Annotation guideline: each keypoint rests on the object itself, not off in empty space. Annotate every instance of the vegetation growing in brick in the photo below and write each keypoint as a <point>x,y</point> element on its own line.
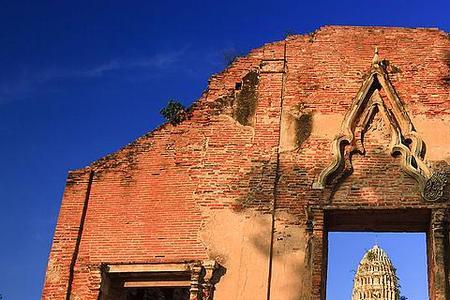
<point>289,33</point>
<point>174,112</point>
<point>312,37</point>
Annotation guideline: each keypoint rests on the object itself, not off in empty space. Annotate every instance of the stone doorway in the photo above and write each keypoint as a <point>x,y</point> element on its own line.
<point>431,221</point>
<point>349,260</point>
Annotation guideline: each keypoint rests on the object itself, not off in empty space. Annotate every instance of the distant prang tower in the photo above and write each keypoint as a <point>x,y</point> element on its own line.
<point>375,277</point>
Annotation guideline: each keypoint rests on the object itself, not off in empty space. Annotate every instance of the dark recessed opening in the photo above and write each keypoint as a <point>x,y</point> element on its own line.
<point>157,293</point>
<point>173,285</point>
<point>378,220</point>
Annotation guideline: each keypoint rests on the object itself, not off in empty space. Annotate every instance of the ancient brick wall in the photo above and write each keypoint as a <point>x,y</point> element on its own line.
<point>234,182</point>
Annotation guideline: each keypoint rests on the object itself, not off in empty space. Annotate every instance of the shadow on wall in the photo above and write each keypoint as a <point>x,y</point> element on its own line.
<point>291,261</point>
<point>296,127</point>
<point>246,99</point>
<point>260,241</point>
<point>447,60</point>
<point>217,275</point>
<point>256,186</point>
<point>293,256</point>
<point>303,128</point>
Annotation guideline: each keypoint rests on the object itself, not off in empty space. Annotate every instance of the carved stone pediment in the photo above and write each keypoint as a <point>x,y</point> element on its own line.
<point>404,140</point>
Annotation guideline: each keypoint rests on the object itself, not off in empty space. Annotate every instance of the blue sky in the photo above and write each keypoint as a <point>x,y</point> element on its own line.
<point>81,79</point>
<point>407,252</point>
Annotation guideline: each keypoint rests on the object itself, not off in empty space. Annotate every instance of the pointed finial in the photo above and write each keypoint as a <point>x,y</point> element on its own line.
<point>375,60</point>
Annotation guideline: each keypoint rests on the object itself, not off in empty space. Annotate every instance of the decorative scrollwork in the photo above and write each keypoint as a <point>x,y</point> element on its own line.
<point>208,279</point>
<point>435,187</point>
<point>404,138</point>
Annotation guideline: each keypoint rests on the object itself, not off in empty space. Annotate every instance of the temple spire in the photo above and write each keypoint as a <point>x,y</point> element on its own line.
<point>375,278</point>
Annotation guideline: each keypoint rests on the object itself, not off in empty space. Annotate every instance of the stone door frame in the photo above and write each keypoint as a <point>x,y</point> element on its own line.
<point>431,220</point>
<point>197,276</point>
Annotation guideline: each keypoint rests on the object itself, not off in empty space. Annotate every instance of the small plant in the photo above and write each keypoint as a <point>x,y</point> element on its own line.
<point>289,33</point>
<point>174,112</point>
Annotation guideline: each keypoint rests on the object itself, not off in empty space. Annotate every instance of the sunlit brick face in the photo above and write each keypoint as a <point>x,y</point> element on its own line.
<point>249,178</point>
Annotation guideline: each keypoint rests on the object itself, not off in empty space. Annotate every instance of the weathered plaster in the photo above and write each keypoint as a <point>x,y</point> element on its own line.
<point>436,135</point>
<point>289,271</point>
<point>240,242</point>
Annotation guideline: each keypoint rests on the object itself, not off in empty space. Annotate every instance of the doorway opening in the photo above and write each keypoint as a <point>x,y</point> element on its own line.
<point>406,251</point>
<point>402,236</point>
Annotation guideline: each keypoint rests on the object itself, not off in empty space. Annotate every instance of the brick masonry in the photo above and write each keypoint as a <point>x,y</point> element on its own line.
<point>233,183</point>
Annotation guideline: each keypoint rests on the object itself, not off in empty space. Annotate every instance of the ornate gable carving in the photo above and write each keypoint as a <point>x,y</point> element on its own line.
<point>404,140</point>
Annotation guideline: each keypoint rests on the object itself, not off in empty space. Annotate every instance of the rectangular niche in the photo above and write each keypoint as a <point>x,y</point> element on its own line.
<point>147,282</point>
